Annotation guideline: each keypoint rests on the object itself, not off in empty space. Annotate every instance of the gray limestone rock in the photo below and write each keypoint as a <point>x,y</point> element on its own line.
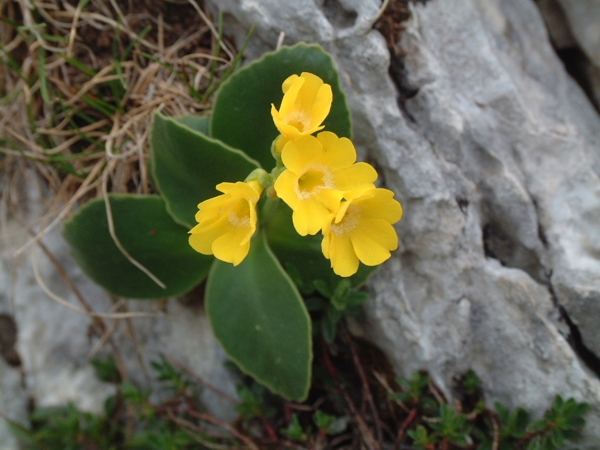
<point>54,343</point>
<point>493,151</point>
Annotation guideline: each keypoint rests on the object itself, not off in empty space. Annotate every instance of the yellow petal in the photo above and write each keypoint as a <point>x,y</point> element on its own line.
<point>309,217</point>
<point>373,239</point>
<point>291,97</point>
<point>285,186</point>
<point>211,204</point>
<point>240,189</point>
<point>275,115</point>
<point>288,83</point>
<point>359,176</point>
<point>321,105</point>
<point>342,211</point>
<point>343,259</point>
<point>326,242</point>
<point>338,152</point>
<point>203,235</point>
<point>330,198</point>
<point>308,94</point>
<point>381,205</point>
<point>288,131</point>
<point>298,154</point>
<point>226,187</point>
<point>232,247</point>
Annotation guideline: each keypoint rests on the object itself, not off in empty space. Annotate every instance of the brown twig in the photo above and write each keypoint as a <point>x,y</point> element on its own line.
<point>436,393</point>
<point>496,442</point>
<point>368,438</point>
<point>405,424</point>
<point>379,377</point>
<point>365,386</point>
<point>186,424</point>
<point>210,419</point>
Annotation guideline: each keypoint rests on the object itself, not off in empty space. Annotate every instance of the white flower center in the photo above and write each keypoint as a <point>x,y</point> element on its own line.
<point>348,223</point>
<point>312,181</point>
<point>239,215</point>
<point>298,119</point>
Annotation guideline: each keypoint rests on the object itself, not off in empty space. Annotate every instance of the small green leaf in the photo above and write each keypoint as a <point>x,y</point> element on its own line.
<point>187,165</point>
<point>106,369</point>
<point>329,324</point>
<point>260,319</point>
<point>151,237</point>
<point>294,430</point>
<point>251,402</point>
<point>242,110</point>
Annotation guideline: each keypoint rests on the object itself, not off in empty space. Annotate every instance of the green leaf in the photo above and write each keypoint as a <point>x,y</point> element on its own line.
<point>260,319</point>
<point>187,165</point>
<point>241,114</point>
<point>201,124</point>
<point>148,233</point>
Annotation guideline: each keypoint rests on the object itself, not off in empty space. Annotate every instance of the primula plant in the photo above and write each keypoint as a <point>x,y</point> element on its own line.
<point>265,200</point>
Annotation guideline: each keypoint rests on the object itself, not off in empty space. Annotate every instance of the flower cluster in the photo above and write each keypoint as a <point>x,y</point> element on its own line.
<point>318,178</point>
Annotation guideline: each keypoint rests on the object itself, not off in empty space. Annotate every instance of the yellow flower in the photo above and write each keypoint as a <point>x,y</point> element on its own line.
<point>361,231</point>
<point>305,105</point>
<point>227,222</point>
<point>319,170</point>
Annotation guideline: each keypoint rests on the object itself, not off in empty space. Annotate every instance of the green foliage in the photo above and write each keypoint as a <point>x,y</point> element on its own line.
<point>560,424</point>
<point>156,426</point>
<point>66,428</point>
<point>133,419</point>
<point>174,378</point>
<point>485,429</point>
<point>415,392</point>
<point>514,424</point>
<point>260,319</point>
<point>251,402</point>
<point>471,383</point>
<point>339,299</point>
<point>451,426</point>
<point>148,234</point>
<point>421,439</point>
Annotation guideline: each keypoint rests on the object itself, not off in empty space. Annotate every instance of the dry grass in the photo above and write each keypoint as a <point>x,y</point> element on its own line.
<point>79,83</point>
